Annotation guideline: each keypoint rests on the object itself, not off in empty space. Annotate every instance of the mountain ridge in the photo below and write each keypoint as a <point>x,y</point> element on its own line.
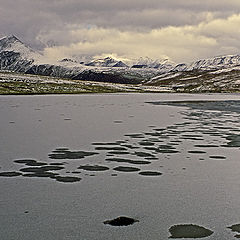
<point>16,56</point>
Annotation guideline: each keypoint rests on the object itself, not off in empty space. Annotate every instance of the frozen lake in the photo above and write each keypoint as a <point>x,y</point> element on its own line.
<point>70,162</point>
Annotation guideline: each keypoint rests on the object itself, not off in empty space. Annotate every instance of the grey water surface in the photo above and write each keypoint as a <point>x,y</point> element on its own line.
<point>69,163</point>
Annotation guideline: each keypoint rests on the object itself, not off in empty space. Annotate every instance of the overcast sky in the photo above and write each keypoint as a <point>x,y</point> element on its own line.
<point>181,30</point>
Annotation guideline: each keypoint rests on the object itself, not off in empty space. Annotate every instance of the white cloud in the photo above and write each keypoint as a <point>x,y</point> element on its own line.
<point>179,43</point>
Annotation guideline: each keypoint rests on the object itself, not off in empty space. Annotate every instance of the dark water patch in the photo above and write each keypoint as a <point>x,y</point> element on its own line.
<point>10,174</point>
<point>152,158</point>
<point>25,161</point>
<point>234,140</point>
<point>110,148</point>
<point>67,154</point>
<point>196,152</point>
<point>30,162</point>
<point>217,157</point>
<point>159,129</point>
<point>195,114</point>
<point>66,179</point>
<point>36,164</point>
<point>143,154</point>
<point>121,221</point>
<point>166,147</point>
<point>189,231</point>
<point>150,173</point>
<point>119,153</point>
<point>135,135</point>
<point>121,141</point>
<point>124,160</point>
<point>192,138</point>
<point>41,169</point>
<point>118,121</point>
<point>76,172</point>
<point>146,143</point>
<point>40,174</point>
<point>163,149</point>
<point>95,168</point>
<point>235,228</point>
<point>205,146</point>
<point>235,130</point>
<point>32,169</point>
<point>126,169</point>
<point>51,168</point>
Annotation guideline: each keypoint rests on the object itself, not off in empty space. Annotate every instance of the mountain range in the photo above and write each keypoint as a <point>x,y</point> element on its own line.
<point>16,56</point>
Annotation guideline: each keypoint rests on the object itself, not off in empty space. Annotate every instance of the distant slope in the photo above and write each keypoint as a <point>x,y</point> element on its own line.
<point>199,81</point>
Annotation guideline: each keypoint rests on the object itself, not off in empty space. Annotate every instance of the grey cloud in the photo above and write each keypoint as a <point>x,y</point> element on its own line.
<point>45,13</point>
<point>40,22</point>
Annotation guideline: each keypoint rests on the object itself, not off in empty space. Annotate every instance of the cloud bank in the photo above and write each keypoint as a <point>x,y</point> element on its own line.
<point>182,30</point>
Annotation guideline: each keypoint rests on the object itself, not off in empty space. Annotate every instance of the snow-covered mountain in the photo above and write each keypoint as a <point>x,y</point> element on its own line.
<point>15,55</point>
<point>215,63</point>
<point>112,62</point>
<point>209,67</point>
<point>106,62</point>
<point>13,44</point>
<point>146,62</point>
<point>18,57</point>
